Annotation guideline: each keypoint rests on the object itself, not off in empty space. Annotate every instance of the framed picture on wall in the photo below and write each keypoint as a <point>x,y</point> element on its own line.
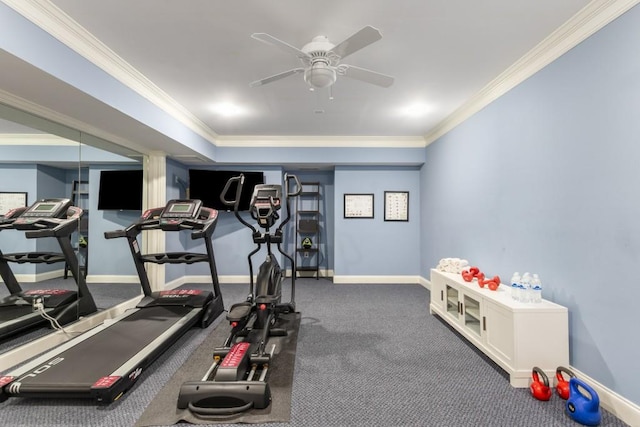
<point>358,205</point>
<point>396,206</point>
<point>12,200</point>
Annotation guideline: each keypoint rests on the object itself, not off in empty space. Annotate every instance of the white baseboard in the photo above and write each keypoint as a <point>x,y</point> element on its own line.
<point>425,283</point>
<point>622,408</point>
<point>97,278</point>
<point>399,280</point>
<point>39,277</point>
<point>302,274</point>
<point>206,279</point>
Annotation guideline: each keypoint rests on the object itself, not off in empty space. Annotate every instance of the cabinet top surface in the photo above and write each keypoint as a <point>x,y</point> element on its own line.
<point>502,295</point>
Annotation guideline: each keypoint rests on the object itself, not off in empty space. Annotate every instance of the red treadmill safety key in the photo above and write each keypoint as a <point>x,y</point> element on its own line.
<point>106,382</point>
<point>6,380</point>
<point>235,355</point>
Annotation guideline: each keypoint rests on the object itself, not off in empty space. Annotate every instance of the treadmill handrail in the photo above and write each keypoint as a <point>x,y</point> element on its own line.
<point>64,228</point>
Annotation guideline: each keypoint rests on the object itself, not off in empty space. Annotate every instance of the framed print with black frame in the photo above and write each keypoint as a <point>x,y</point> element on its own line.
<point>396,206</point>
<point>358,205</point>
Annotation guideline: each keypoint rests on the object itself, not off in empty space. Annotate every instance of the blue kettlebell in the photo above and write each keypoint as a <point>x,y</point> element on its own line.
<point>581,408</point>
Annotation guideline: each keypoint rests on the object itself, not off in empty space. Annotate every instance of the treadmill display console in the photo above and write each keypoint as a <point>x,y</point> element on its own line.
<point>53,208</point>
<point>181,209</point>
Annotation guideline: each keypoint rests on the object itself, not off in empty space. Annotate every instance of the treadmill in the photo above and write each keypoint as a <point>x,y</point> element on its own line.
<point>45,218</point>
<point>105,361</point>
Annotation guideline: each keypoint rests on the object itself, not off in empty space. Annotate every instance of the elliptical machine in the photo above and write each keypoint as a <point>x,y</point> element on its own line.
<point>236,381</point>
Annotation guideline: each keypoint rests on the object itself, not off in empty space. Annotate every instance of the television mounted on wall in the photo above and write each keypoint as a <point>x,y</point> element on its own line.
<point>120,190</point>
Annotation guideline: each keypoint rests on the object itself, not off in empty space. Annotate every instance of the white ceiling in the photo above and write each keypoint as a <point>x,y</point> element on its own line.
<point>441,53</point>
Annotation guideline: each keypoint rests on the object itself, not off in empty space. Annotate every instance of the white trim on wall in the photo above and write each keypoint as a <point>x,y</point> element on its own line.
<point>595,15</point>
<point>105,278</point>
<point>35,139</point>
<point>54,21</point>
<point>39,277</point>
<point>590,19</point>
<point>397,280</point>
<point>322,141</point>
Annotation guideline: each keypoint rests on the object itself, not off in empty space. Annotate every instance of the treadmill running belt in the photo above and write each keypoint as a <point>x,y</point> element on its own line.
<point>15,311</point>
<point>103,353</point>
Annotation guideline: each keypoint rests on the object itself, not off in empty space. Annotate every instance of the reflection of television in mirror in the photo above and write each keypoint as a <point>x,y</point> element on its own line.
<point>120,190</point>
<point>207,185</point>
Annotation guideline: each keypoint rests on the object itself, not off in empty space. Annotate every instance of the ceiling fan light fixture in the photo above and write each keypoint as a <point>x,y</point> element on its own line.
<point>320,75</point>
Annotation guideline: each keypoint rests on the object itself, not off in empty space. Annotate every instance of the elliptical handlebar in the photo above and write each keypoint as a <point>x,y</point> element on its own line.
<point>298,190</point>
<point>225,190</point>
<point>236,201</point>
<point>295,193</point>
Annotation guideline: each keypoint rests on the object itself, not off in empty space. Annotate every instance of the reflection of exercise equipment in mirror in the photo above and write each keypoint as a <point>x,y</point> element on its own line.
<point>106,361</point>
<point>237,379</point>
<point>79,197</point>
<point>22,310</point>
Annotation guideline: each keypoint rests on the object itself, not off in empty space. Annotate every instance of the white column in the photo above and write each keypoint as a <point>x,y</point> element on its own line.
<point>155,195</point>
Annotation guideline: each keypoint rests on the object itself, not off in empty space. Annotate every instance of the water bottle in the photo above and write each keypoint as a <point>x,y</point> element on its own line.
<point>525,288</point>
<point>536,285</point>
<point>515,281</point>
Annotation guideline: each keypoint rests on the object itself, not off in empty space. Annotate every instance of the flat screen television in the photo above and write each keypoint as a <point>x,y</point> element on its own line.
<point>120,190</point>
<point>207,185</point>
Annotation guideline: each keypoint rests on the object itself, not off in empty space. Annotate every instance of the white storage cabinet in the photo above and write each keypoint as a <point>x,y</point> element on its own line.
<point>517,336</point>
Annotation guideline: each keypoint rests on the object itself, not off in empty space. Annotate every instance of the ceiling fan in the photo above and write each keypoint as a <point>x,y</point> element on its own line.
<point>321,59</point>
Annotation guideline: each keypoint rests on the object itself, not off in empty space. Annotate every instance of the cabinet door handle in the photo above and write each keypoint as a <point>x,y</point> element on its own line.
<point>441,295</point>
<point>484,323</point>
<point>461,308</point>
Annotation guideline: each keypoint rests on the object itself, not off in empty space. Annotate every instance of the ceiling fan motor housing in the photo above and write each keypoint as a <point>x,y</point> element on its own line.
<point>320,74</point>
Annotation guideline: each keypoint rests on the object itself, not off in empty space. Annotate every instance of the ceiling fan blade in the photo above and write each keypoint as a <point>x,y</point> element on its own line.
<point>276,77</point>
<point>269,39</point>
<point>357,41</point>
<point>365,75</point>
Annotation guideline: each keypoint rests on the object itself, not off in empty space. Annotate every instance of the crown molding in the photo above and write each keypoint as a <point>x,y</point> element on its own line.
<point>34,139</point>
<point>58,24</point>
<point>19,103</point>
<point>590,19</point>
<point>322,141</point>
<point>586,22</point>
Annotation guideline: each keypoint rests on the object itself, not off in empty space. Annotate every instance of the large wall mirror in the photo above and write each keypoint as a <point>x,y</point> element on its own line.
<point>75,272</point>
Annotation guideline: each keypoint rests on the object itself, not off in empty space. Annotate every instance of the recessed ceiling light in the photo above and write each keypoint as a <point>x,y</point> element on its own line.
<point>417,109</point>
<point>228,109</point>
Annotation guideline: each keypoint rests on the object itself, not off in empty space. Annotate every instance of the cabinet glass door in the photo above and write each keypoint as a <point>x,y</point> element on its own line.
<point>472,314</point>
<point>453,301</point>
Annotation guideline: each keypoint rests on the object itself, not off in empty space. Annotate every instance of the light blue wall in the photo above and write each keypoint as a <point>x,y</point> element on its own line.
<point>373,247</point>
<point>546,180</point>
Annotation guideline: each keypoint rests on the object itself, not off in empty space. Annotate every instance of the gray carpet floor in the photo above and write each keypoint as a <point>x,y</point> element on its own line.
<point>367,355</point>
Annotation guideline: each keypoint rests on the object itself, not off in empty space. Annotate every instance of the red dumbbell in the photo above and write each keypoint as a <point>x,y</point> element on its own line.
<point>492,283</point>
<point>469,274</point>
